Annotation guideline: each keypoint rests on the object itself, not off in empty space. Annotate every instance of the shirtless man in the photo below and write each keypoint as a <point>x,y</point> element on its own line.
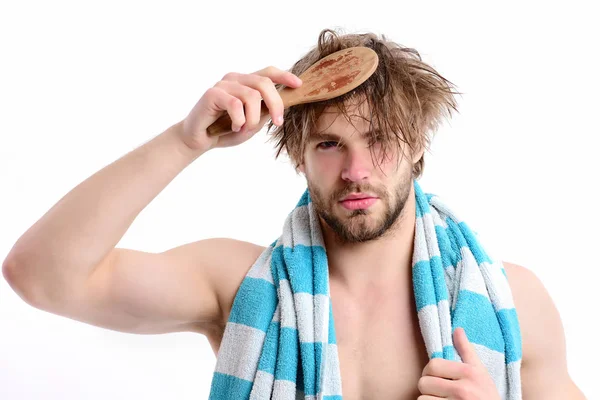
<point>67,262</point>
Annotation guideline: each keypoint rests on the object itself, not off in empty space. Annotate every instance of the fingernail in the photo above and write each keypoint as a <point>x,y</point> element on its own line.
<point>279,120</point>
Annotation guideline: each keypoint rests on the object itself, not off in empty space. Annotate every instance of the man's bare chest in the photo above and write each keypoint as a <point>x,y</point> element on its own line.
<point>381,350</point>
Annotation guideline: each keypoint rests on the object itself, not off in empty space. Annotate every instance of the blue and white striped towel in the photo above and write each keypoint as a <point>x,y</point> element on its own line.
<point>279,342</point>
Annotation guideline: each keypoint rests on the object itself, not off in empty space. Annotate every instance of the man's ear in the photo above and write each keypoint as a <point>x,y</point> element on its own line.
<point>300,168</point>
<point>417,155</point>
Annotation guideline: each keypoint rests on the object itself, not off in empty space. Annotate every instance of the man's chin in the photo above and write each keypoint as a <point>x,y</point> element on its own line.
<point>358,227</point>
<point>358,235</point>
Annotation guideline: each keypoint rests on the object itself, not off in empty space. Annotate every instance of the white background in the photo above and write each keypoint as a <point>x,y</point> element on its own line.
<point>82,83</point>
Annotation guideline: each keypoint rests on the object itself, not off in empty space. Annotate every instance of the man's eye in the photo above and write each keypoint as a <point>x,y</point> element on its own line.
<point>327,145</point>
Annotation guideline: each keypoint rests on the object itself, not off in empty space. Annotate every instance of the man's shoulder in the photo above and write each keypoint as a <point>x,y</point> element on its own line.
<point>526,287</point>
<point>516,273</point>
<point>538,316</point>
<point>544,370</point>
<point>527,290</point>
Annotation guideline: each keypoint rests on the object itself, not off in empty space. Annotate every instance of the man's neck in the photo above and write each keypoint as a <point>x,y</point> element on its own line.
<point>380,263</point>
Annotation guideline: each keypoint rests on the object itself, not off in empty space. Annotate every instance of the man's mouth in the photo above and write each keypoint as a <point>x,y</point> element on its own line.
<point>358,201</point>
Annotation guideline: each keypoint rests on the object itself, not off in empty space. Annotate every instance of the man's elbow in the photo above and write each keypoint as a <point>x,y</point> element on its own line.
<point>10,272</point>
<point>15,273</point>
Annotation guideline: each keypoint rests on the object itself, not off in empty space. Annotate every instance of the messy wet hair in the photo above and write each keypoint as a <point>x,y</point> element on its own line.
<point>407,99</point>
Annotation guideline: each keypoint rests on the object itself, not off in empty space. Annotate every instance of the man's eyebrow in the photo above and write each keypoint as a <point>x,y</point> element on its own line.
<point>324,136</point>
<point>327,136</point>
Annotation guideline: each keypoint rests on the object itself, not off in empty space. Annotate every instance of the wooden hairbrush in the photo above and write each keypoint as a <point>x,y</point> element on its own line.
<point>330,77</point>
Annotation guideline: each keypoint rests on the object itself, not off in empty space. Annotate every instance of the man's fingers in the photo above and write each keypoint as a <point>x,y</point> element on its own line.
<point>251,98</point>
<point>280,76</point>
<point>445,369</point>
<point>268,92</point>
<point>226,102</point>
<point>272,99</point>
<point>264,82</point>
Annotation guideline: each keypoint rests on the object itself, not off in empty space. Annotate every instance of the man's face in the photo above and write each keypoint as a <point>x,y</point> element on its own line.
<point>354,190</point>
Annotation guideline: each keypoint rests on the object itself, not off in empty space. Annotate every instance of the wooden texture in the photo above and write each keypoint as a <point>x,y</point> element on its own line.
<point>329,77</point>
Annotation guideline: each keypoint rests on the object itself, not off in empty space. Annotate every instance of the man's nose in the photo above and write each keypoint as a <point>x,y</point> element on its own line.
<point>357,165</point>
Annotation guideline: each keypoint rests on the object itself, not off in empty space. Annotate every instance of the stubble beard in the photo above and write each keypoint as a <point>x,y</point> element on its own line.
<point>359,226</point>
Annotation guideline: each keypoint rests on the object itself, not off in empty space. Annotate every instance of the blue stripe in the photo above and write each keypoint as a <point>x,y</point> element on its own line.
<point>311,354</point>
<point>424,273</point>
<point>450,353</point>
<point>305,265</point>
<point>229,387</point>
<point>439,280</point>
<point>268,357</point>
<point>278,269</point>
<point>472,242</point>
<point>421,205</point>
<point>436,354</point>
<point>463,236</point>
<point>287,357</point>
<point>445,245</point>
<point>331,338</point>
<point>477,316</point>
<point>509,322</point>
<point>304,200</point>
<point>450,233</point>
<point>254,294</point>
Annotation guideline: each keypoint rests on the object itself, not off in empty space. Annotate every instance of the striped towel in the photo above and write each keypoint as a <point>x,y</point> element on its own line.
<point>279,342</point>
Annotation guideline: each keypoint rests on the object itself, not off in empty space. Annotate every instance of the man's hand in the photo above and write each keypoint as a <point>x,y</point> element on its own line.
<point>240,95</point>
<point>469,380</point>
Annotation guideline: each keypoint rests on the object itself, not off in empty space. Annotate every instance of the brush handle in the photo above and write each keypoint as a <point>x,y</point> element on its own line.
<point>222,126</point>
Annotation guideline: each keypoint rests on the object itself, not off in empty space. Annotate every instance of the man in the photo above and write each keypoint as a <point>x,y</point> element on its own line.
<point>360,154</point>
